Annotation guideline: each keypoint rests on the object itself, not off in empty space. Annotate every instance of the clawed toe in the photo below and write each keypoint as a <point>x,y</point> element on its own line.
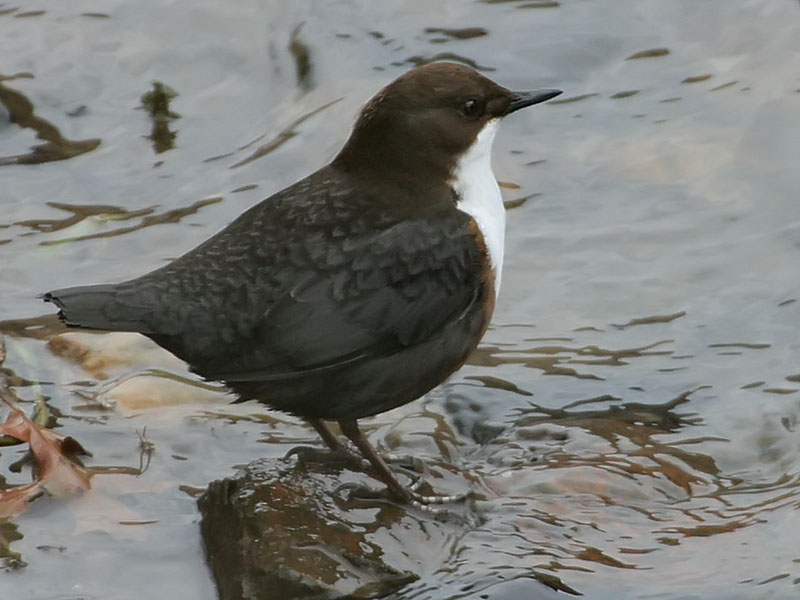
<point>301,452</point>
<point>310,454</point>
<point>411,494</point>
<point>431,504</point>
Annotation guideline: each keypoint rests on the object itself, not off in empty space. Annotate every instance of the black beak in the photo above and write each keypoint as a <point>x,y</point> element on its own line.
<point>523,99</point>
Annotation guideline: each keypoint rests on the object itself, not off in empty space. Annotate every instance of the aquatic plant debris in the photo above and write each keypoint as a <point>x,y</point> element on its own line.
<point>156,102</point>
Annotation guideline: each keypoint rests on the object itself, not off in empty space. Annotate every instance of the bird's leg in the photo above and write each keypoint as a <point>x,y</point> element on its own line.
<point>327,435</point>
<point>335,443</point>
<point>351,430</point>
<point>338,448</point>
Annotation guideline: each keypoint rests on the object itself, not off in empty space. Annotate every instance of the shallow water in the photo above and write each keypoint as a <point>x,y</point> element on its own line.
<point>632,415</point>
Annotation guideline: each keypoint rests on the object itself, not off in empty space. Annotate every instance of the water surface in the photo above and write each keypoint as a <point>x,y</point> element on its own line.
<point>632,415</point>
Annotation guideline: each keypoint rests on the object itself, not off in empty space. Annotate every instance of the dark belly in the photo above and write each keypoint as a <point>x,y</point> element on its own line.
<point>373,385</point>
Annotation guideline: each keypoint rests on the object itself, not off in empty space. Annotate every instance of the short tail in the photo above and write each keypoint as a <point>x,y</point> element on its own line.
<point>95,307</point>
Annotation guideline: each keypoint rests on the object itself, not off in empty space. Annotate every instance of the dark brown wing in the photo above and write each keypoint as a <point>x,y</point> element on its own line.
<point>394,289</point>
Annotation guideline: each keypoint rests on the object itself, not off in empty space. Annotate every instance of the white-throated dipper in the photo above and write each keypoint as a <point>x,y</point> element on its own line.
<point>355,290</point>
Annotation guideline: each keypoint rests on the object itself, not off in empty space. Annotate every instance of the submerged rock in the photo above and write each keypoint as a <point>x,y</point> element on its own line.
<point>284,529</point>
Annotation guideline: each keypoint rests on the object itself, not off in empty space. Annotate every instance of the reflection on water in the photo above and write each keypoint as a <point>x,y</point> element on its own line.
<point>629,423</point>
<point>649,53</point>
<point>418,61</point>
<point>301,54</point>
<point>56,147</point>
<point>279,140</point>
<point>552,358</point>
<point>110,214</point>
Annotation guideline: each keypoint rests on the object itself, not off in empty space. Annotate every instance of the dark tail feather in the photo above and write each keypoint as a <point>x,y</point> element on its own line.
<point>95,307</point>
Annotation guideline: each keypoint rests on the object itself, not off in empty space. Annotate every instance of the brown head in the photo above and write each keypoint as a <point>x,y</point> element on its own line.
<point>427,118</point>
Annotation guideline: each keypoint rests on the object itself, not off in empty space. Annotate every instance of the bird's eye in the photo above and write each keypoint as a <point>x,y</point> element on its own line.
<point>472,108</point>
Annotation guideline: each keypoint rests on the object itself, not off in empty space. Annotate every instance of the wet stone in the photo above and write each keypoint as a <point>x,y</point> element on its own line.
<point>288,529</point>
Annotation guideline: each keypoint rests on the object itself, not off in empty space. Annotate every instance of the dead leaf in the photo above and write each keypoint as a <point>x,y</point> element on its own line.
<point>57,475</point>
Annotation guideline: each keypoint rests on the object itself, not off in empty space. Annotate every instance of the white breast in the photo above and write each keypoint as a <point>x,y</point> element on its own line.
<point>479,195</point>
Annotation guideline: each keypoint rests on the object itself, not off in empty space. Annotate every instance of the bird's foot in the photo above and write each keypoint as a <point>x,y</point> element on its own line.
<point>430,504</point>
<point>415,468</point>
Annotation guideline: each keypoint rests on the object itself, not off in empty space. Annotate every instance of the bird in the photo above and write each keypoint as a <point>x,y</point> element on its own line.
<point>355,290</point>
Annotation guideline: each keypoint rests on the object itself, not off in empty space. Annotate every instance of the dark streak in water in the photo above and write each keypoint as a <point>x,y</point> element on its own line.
<point>528,4</point>
<point>624,94</point>
<point>650,320</point>
<point>78,111</point>
<point>752,385</point>
<point>540,4</point>
<point>245,188</point>
<point>741,345</point>
<point>301,54</point>
<point>30,13</point>
<point>573,99</point>
<point>78,214</point>
<point>418,61</point>
<point>598,556</point>
<point>464,33</point>
<point>499,384</point>
<point>605,398</point>
<point>279,140</point>
<point>652,53</point>
<point>169,216</point>
<point>632,413</point>
<point>553,360</point>
<point>697,78</point>
<point>723,86</point>
<point>517,202</point>
<point>56,146</point>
